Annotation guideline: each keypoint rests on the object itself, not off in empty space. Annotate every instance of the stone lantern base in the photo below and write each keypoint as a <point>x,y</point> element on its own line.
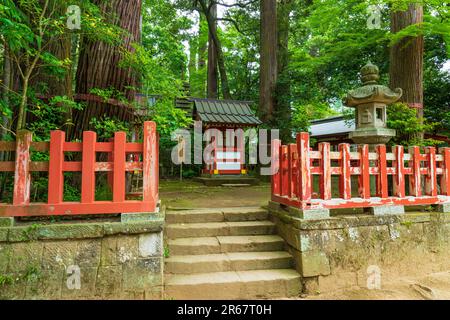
<point>372,136</point>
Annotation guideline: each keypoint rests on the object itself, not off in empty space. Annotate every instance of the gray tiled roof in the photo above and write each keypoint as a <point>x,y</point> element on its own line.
<point>225,111</point>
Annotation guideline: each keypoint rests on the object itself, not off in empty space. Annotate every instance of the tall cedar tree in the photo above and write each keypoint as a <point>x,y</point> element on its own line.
<point>212,85</point>
<point>99,65</point>
<point>406,58</point>
<point>269,63</point>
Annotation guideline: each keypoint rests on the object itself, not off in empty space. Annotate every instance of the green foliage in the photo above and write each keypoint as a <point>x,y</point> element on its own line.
<point>408,127</point>
<point>189,173</point>
<point>48,116</point>
<point>106,127</point>
<point>6,279</point>
<point>71,188</point>
<point>303,114</point>
<point>166,252</point>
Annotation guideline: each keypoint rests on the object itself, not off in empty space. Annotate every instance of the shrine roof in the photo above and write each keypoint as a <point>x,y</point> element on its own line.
<point>213,111</point>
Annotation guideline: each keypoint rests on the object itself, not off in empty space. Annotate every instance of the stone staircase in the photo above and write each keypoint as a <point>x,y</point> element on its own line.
<point>226,254</point>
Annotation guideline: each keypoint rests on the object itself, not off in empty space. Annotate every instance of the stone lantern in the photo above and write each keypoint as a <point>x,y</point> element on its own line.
<point>370,102</point>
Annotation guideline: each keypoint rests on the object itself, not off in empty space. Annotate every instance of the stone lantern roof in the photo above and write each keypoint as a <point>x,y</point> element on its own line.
<point>370,102</point>
<point>371,91</point>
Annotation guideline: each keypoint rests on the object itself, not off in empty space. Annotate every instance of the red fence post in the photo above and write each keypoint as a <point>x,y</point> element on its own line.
<point>284,169</point>
<point>88,167</point>
<point>325,170</point>
<point>150,165</point>
<point>399,177</point>
<point>382,178</point>
<point>275,167</point>
<point>345,183</point>
<point>445,179</point>
<point>55,173</point>
<point>22,178</point>
<point>304,185</point>
<point>120,139</point>
<point>431,178</point>
<point>364,177</point>
<point>293,170</point>
<point>415,185</point>
<point>110,174</point>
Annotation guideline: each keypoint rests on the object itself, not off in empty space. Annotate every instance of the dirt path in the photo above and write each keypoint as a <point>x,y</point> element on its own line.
<point>435,286</point>
<point>189,194</point>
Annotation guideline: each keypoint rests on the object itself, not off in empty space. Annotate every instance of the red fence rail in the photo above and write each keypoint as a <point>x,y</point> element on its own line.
<point>117,166</point>
<point>295,166</point>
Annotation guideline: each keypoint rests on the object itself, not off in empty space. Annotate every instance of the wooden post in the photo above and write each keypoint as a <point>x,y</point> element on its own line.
<point>399,177</point>
<point>150,166</point>
<point>275,167</point>
<point>445,179</point>
<point>415,186</point>
<point>364,177</point>
<point>382,178</point>
<point>285,182</point>
<point>110,174</point>
<point>431,178</point>
<point>325,170</point>
<point>119,167</point>
<point>345,183</point>
<point>88,167</point>
<point>22,177</point>
<point>55,173</point>
<point>304,183</point>
<point>293,171</point>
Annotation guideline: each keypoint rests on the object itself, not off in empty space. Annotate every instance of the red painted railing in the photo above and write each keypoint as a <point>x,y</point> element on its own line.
<point>117,166</point>
<point>295,166</point>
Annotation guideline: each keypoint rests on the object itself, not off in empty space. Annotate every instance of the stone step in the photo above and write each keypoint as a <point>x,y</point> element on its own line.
<point>254,284</point>
<point>207,245</point>
<point>211,229</point>
<point>217,215</point>
<point>233,261</point>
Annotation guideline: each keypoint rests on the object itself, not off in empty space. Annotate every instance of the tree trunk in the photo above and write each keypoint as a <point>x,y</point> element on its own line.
<point>212,86</point>
<point>219,52</point>
<point>283,87</point>
<point>406,58</point>
<point>98,65</point>
<point>268,62</point>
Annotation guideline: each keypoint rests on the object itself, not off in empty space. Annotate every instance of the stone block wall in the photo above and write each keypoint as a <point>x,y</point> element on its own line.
<point>342,251</point>
<point>84,260</point>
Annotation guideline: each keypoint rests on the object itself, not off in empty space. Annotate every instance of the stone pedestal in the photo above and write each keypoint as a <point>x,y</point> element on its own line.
<point>385,210</point>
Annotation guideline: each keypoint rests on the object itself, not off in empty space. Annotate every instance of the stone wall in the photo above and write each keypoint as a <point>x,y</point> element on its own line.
<point>344,250</point>
<point>84,260</point>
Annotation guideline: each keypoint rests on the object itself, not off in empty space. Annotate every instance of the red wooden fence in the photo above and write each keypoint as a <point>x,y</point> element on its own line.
<point>295,165</point>
<point>117,166</point>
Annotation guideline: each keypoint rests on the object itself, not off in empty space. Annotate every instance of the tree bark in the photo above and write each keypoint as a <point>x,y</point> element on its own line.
<point>212,86</point>
<point>406,58</point>
<point>283,87</point>
<point>220,57</point>
<point>98,65</point>
<point>268,59</point>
